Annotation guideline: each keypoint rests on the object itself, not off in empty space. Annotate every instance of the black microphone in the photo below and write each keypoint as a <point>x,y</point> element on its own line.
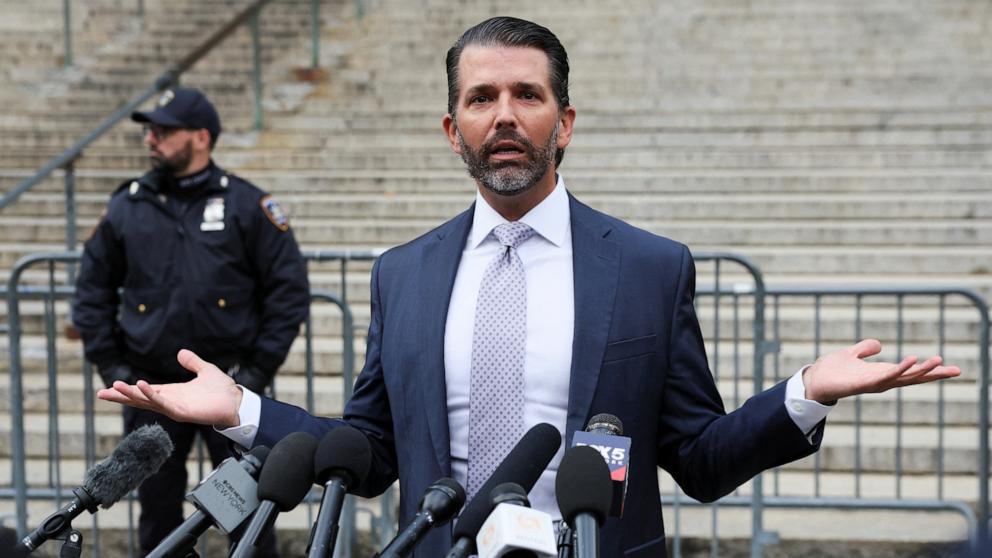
<point>223,494</point>
<point>523,465</point>
<point>439,505</point>
<point>285,479</point>
<point>605,423</point>
<point>138,456</point>
<point>605,434</point>
<point>585,492</point>
<point>342,462</point>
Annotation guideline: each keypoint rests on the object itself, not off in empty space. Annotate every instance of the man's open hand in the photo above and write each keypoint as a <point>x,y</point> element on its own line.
<point>844,372</point>
<point>211,398</point>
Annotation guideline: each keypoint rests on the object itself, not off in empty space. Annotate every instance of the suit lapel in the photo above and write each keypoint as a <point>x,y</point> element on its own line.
<point>442,256</point>
<point>595,270</point>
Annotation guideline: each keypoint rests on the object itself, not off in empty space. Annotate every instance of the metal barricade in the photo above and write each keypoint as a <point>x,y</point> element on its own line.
<point>749,349</point>
<point>80,413</point>
<point>759,335</point>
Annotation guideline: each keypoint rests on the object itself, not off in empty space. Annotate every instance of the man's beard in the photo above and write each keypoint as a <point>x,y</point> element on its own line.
<point>177,164</point>
<point>509,178</point>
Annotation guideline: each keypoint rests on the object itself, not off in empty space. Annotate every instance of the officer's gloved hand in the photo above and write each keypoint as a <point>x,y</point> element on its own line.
<point>252,378</point>
<point>114,372</point>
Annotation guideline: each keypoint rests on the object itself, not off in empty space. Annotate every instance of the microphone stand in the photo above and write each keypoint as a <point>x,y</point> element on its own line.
<point>73,545</point>
<point>566,541</point>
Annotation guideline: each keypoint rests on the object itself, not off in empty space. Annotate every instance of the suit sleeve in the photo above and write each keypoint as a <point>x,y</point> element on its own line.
<point>708,452</point>
<point>101,273</point>
<point>368,410</point>
<point>282,291</point>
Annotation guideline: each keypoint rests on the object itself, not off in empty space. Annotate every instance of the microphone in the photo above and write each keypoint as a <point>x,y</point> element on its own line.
<point>226,498</point>
<point>342,461</point>
<point>523,465</point>
<point>604,433</point>
<point>284,481</point>
<point>513,529</point>
<point>440,503</point>
<point>584,491</point>
<point>138,456</point>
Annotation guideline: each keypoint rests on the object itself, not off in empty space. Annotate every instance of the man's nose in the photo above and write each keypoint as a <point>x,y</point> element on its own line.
<point>506,116</point>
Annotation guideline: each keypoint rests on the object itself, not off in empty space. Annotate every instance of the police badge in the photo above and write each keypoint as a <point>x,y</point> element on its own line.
<point>167,96</point>
<point>213,215</point>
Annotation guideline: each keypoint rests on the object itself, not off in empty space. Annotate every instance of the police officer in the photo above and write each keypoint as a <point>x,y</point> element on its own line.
<point>207,262</point>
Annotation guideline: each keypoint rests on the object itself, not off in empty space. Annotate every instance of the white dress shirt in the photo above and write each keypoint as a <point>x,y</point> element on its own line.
<point>547,260</point>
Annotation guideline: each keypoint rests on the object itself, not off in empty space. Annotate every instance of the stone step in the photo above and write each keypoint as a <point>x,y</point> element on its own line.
<point>434,159</point>
<point>585,139</point>
<point>611,140</point>
<point>396,228</point>
<point>789,321</point>
<point>582,182</point>
<point>842,267</point>
<point>334,114</point>
<point>327,349</point>
<point>716,158</point>
<point>746,209</point>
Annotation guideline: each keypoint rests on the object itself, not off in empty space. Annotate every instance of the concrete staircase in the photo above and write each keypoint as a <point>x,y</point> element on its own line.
<point>831,142</point>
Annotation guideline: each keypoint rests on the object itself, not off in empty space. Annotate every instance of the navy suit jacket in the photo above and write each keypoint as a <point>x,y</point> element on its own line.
<point>637,353</point>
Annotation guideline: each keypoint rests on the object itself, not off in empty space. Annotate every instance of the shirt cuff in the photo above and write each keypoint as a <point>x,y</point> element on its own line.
<point>249,415</point>
<point>804,412</point>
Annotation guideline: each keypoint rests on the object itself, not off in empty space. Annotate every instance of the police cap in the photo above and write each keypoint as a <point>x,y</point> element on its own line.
<point>182,107</point>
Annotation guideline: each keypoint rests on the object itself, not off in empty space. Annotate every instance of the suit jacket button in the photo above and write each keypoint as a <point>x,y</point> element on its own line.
<point>141,308</point>
<point>221,302</point>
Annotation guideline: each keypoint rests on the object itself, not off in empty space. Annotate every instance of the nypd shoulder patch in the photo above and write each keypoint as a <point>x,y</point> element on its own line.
<point>275,213</point>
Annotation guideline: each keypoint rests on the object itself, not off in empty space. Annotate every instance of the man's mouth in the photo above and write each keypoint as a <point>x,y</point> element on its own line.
<point>506,150</point>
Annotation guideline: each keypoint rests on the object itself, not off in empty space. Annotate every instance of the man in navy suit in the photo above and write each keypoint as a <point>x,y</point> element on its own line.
<point>608,321</point>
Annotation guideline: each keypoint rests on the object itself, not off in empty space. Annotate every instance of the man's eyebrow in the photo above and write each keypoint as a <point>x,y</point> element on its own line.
<point>478,88</point>
<point>529,86</point>
<point>517,86</point>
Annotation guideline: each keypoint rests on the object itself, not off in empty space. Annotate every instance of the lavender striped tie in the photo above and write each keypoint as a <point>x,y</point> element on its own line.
<point>499,343</point>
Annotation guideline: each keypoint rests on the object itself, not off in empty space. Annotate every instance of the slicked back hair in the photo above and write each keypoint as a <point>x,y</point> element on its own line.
<point>512,32</point>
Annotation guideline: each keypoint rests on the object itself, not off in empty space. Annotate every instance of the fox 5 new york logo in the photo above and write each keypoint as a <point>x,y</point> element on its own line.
<point>614,456</point>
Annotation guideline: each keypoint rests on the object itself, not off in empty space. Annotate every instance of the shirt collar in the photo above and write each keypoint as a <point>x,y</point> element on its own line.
<point>550,218</point>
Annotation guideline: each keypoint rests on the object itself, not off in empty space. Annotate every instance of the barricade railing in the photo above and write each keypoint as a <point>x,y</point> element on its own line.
<point>755,337</point>
<point>796,325</point>
<point>95,443</point>
<point>722,291</point>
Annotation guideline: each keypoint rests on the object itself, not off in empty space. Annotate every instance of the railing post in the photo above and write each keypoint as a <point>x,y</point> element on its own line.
<point>314,33</point>
<point>67,32</point>
<point>256,42</point>
<point>18,474</point>
<point>759,538</point>
<point>983,431</point>
<point>70,217</point>
<point>348,372</point>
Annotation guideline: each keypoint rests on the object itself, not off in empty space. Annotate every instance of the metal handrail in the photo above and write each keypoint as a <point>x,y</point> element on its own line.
<point>168,78</point>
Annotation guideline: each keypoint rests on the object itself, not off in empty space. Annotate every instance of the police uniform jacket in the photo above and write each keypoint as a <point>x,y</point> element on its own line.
<point>208,264</point>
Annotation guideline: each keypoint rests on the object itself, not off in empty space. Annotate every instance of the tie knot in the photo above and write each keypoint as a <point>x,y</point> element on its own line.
<point>512,234</point>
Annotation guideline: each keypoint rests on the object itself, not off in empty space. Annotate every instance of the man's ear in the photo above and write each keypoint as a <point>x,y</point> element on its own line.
<point>565,126</point>
<point>451,131</point>
<point>201,138</point>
